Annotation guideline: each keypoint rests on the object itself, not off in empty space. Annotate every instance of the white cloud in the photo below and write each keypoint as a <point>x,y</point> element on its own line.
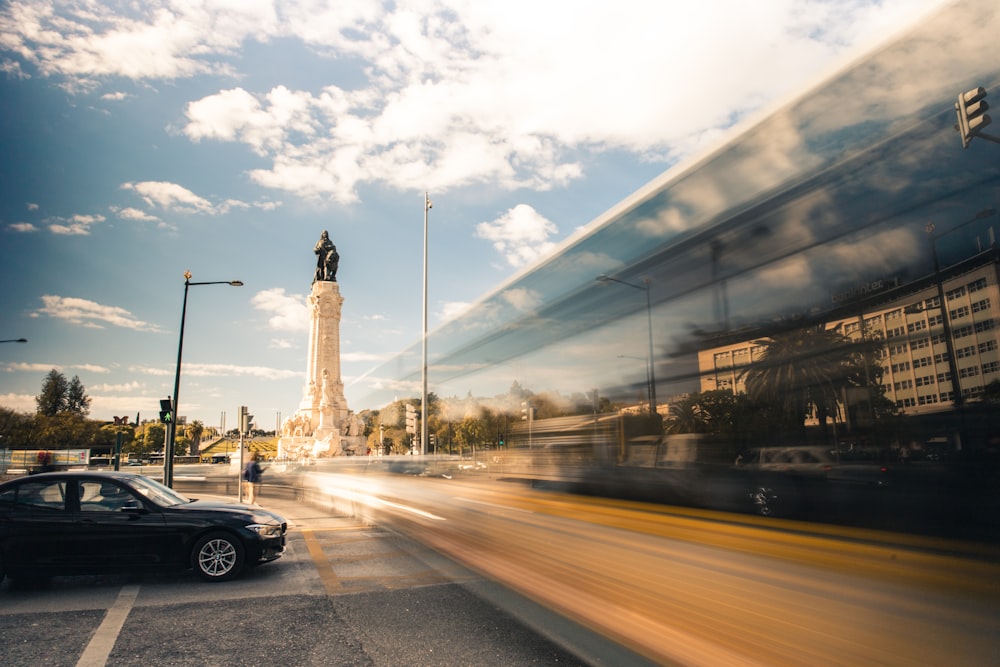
<point>520,235</point>
<point>220,370</point>
<point>177,198</point>
<point>169,196</point>
<point>22,227</point>
<point>45,368</point>
<point>453,309</point>
<point>288,312</point>
<point>125,387</point>
<point>77,225</point>
<point>521,299</point>
<point>130,213</point>
<point>456,92</point>
<point>90,314</point>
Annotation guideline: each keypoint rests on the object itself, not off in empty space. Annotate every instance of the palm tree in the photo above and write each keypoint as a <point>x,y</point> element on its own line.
<point>194,431</point>
<point>801,369</point>
<point>686,416</point>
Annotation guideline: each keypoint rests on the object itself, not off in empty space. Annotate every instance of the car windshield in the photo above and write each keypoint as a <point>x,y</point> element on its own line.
<point>158,493</point>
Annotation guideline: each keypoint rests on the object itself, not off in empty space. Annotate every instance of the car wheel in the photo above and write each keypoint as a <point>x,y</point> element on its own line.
<point>218,557</point>
<point>763,500</point>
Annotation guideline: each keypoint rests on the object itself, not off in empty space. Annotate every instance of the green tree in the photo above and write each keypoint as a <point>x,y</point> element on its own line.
<point>470,432</point>
<point>802,368</point>
<point>687,416</point>
<point>53,398</point>
<point>76,398</point>
<point>194,431</point>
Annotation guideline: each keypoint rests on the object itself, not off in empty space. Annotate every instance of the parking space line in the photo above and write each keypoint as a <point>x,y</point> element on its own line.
<point>97,651</point>
<point>326,574</point>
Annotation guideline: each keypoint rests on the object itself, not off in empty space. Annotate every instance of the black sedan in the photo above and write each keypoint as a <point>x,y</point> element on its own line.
<point>93,522</point>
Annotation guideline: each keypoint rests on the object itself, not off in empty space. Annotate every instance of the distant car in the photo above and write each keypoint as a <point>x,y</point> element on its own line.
<point>807,480</point>
<point>91,522</point>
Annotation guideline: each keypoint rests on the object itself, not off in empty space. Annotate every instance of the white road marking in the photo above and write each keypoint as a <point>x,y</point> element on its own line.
<point>97,651</point>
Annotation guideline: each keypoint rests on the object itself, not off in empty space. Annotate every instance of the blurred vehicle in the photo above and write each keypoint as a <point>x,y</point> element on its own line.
<point>794,479</point>
<point>91,522</point>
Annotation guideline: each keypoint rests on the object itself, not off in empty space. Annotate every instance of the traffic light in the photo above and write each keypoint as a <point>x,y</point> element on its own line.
<point>972,117</point>
<point>166,411</point>
<point>411,419</point>
<point>246,420</point>
<point>502,440</point>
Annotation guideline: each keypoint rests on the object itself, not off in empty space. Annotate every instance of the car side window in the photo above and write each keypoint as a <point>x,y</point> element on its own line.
<point>97,496</point>
<point>41,496</point>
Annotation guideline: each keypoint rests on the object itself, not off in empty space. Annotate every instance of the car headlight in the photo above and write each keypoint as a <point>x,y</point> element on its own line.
<point>266,529</point>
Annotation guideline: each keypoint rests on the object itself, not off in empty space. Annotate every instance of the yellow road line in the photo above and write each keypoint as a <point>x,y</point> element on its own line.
<point>331,582</point>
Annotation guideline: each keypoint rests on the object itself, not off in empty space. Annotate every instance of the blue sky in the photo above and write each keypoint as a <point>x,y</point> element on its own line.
<point>142,140</point>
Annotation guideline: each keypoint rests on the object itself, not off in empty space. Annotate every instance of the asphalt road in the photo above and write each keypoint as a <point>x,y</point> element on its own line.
<point>345,593</point>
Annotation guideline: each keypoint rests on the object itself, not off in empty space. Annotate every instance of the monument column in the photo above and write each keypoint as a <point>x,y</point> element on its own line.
<point>324,397</point>
<point>320,426</point>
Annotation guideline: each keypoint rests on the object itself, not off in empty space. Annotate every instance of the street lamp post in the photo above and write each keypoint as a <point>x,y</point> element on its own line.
<point>423,396</point>
<point>651,371</point>
<point>168,450</point>
<point>15,340</point>
<point>648,383</point>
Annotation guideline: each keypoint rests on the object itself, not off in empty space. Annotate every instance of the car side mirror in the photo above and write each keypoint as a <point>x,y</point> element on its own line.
<point>132,507</point>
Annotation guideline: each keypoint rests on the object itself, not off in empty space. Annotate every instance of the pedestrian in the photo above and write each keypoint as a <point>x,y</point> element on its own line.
<point>252,474</point>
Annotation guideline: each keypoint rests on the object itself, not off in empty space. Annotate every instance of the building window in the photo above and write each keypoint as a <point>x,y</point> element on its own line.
<point>925,381</point>
<point>941,358</point>
<point>935,320</point>
<point>985,325</point>
<point>937,339</point>
<point>895,332</point>
<point>900,349</point>
<point>944,377</point>
<point>921,362</point>
<point>927,400</point>
<point>920,343</point>
<point>971,371</point>
<point>916,326</point>
<point>900,367</point>
<point>946,396</point>
<point>961,311</point>
<point>903,384</point>
<point>977,285</point>
<point>992,367</point>
<point>981,306</point>
<point>933,302</point>
<point>955,294</point>
<point>962,332</point>
<point>906,403</point>
<point>894,314</point>
<point>963,352</point>
<point>988,346</point>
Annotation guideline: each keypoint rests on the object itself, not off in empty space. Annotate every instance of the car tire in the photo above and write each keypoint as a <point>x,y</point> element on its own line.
<point>218,556</point>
